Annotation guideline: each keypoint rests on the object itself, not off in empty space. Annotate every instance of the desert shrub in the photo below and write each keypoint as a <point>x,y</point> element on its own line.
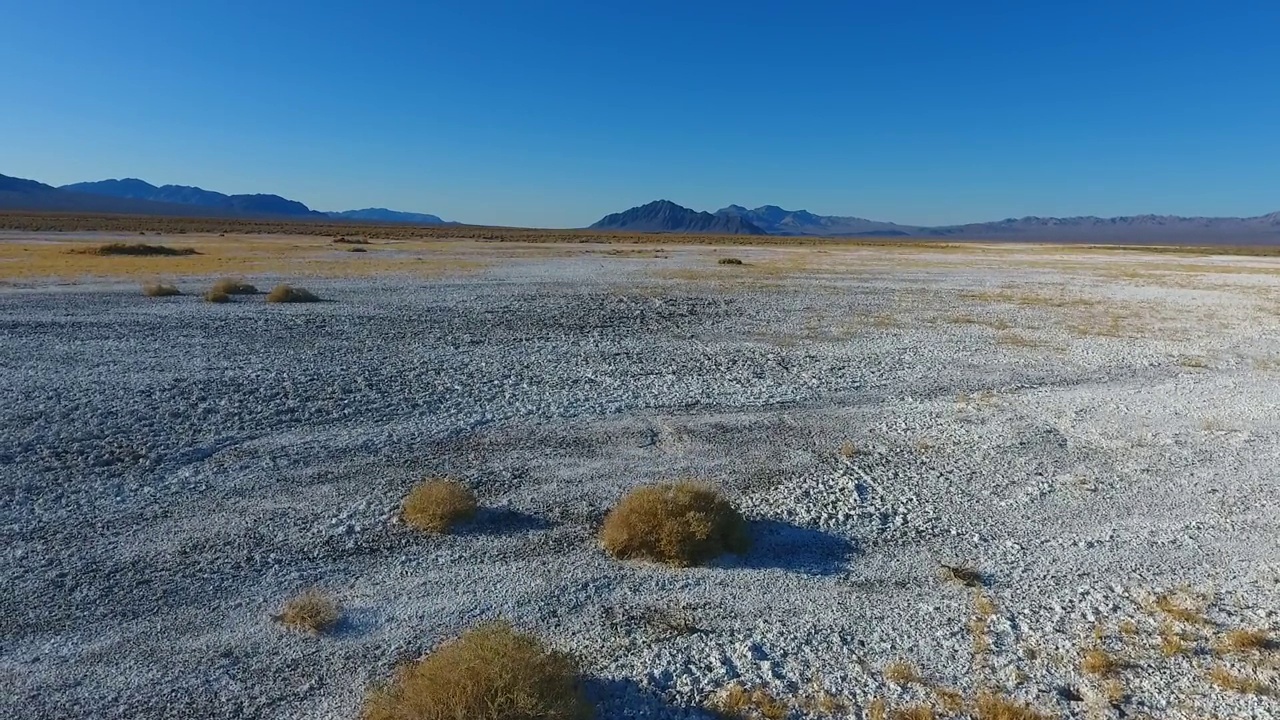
<point>489,673</point>
<point>138,249</point>
<point>289,294</point>
<point>736,702</point>
<point>234,286</point>
<point>356,249</point>
<point>901,672</point>
<point>159,290</point>
<point>312,611</point>
<point>729,261</point>
<point>350,241</point>
<point>993,706</point>
<point>438,504</point>
<point>216,296</point>
<point>681,524</point>
<point>1243,641</point>
<point>1096,661</point>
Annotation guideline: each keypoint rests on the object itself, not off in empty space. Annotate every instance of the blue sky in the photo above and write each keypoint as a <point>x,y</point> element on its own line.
<point>555,113</point>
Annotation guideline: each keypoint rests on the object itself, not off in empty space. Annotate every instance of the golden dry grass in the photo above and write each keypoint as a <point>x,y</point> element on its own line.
<point>437,504</point>
<point>1228,680</point>
<point>313,611</point>
<point>901,672</point>
<point>1182,610</point>
<point>1244,641</point>
<point>1171,643</point>
<point>217,296</point>
<point>951,701</point>
<point>680,524</point>
<point>737,702</point>
<point>489,673</point>
<point>848,449</point>
<point>1096,661</point>
<point>159,290</point>
<point>991,705</point>
<point>286,293</point>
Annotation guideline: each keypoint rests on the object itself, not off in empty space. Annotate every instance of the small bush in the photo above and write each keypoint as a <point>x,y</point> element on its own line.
<point>159,290</point>
<point>217,296</point>
<point>738,703</point>
<point>1097,661</point>
<point>680,524</point>
<point>312,611</point>
<point>234,286</point>
<point>1242,641</point>
<point>138,249</point>
<point>356,249</point>
<point>350,241</point>
<point>901,672</point>
<point>489,673</point>
<point>1228,680</point>
<point>966,575</point>
<point>729,261</point>
<point>438,504</point>
<point>991,706</point>
<point>290,294</point>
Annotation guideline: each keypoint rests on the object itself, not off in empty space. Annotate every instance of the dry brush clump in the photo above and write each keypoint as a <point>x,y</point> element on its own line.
<point>489,673</point>
<point>234,286</point>
<point>289,294</point>
<point>737,702</point>
<point>136,249</point>
<point>966,575</point>
<point>437,504</point>
<point>157,289</point>
<point>729,261</point>
<point>1244,641</point>
<point>312,611</point>
<point>680,524</point>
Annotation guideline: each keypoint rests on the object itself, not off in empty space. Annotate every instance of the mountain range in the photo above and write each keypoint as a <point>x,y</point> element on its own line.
<point>666,216</point>
<point>138,197</point>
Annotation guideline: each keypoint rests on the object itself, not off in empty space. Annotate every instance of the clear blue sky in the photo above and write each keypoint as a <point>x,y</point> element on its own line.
<point>555,113</point>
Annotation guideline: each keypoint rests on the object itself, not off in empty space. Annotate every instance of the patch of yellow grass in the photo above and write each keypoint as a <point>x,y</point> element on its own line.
<point>289,294</point>
<point>736,702</point>
<point>217,296</point>
<point>437,504</point>
<point>915,712</point>
<point>1181,611</point>
<point>991,705</point>
<point>1227,680</point>
<point>681,524</point>
<point>1096,661</point>
<point>951,701</point>
<point>312,611</point>
<point>901,672</point>
<point>489,673</point>
<point>1243,641</point>
<point>848,449</point>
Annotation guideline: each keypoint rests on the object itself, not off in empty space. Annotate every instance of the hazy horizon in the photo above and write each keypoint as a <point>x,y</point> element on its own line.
<point>504,114</point>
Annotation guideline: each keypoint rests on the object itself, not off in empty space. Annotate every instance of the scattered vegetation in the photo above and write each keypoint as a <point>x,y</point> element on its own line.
<point>350,241</point>
<point>159,290</point>
<point>217,296</point>
<point>729,261</point>
<point>681,524</point>
<point>993,706</point>
<point>1227,680</point>
<point>914,712</point>
<point>738,703</point>
<point>489,673</point>
<point>901,672</point>
<point>312,611</point>
<point>1243,641</point>
<point>1096,661</point>
<point>1180,611</point>
<point>136,249</point>
<point>288,294</point>
<point>1171,643</point>
<point>848,449</point>
<point>437,504</point>
<point>234,286</point>
<point>966,575</point>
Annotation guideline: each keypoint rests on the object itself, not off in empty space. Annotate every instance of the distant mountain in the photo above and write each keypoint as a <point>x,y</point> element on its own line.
<point>666,216</point>
<point>248,205</point>
<point>20,194</point>
<point>776,221</point>
<point>385,215</point>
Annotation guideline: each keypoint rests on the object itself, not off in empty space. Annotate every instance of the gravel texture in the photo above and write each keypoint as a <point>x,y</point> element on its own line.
<point>172,471</point>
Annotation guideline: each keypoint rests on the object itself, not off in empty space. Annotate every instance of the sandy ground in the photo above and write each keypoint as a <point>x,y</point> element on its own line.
<point>1093,431</point>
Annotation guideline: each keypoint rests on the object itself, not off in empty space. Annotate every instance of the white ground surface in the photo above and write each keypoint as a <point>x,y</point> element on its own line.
<point>172,471</point>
